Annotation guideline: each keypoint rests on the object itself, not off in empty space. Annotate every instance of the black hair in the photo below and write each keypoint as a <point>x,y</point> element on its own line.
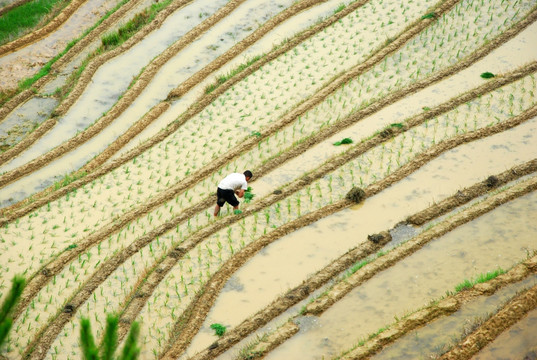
<point>248,174</point>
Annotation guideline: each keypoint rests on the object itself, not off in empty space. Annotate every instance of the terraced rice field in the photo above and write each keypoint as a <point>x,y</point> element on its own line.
<point>414,238</point>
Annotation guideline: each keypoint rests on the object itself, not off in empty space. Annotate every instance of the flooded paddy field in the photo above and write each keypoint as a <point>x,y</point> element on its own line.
<point>394,182</point>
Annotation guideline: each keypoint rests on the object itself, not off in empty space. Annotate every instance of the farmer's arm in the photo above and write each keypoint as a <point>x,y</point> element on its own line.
<point>240,193</point>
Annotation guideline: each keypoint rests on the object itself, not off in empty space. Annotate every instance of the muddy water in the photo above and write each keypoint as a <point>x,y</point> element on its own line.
<point>26,117</point>
<point>513,54</point>
<point>285,30</point>
<point>285,263</point>
<point>28,60</point>
<point>518,342</point>
<point>77,59</point>
<point>498,239</point>
<point>430,340</point>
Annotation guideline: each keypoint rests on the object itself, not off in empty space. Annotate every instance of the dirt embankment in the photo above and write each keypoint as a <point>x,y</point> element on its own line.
<point>340,289</point>
<point>453,303</point>
<point>50,194</point>
<point>509,315</point>
<point>126,100</point>
<point>161,107</point>
<point>204,100</point>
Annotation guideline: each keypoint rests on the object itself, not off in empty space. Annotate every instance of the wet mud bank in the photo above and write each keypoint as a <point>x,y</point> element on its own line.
<point>443,307</point>
<point>126,99</point>
<point>506,317</point>
<point>195,79</point>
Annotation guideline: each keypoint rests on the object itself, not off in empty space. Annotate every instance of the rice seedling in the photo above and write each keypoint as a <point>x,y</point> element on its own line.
<point>343,141</point>
<point>487,75</point>
<point>219,329</point>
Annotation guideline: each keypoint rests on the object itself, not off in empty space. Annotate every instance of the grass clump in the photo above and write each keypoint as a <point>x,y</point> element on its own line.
<point>67,179</point>
<point>131,351</point>
<point>223,78</point>
<point>339,8</point>
<point>481,278</point>
<point>125,32</point>
<point>343,141</point>
<point>430,15</point>
<point>219,329</point>
<point>27,16</point>
<point>487,75</point>
<point>6,321</point>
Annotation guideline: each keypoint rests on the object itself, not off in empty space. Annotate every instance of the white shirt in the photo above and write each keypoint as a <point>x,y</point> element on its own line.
<point>233,182</point>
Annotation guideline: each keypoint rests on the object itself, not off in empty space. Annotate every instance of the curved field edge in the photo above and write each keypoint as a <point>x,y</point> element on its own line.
<point>52,267</point>
<point>442,307</point>
<point>46,74</point>
<point>340,289</point>
<point>33,202</point>
<point>163,267</point>
<point>54,24</point>
<point>158,109</point>
<point>84,80</point>
<point>129,97</point>
<point>188,84</point>
<point>55,266</point>
<point>509,315</point>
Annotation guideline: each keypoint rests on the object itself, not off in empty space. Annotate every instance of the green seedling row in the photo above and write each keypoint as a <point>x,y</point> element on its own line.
<point>162,164</point>
<point>510,103</point>
<point>330,188</point>
<point>76,200</point>
<point>115,173</point>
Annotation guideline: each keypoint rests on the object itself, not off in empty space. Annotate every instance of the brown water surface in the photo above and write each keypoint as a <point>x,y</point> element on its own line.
<point>431,339</point>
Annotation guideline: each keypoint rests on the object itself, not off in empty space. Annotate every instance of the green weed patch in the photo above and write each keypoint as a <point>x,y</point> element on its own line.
<point>27,16</point>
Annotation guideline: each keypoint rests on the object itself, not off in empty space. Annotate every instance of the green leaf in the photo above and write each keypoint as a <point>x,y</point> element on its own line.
<point>131,351</point>
<point>87,342</point>
<point>487,75</point>
<point>110,338</point>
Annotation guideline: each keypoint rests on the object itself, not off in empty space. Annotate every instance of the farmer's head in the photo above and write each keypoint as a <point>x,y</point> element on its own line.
<point>248,175</point>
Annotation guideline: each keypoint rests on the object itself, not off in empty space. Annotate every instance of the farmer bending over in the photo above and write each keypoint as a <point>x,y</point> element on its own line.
<point>232,184</point>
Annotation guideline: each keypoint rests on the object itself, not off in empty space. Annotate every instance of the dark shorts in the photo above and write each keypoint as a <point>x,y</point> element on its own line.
<point>223,196</point>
